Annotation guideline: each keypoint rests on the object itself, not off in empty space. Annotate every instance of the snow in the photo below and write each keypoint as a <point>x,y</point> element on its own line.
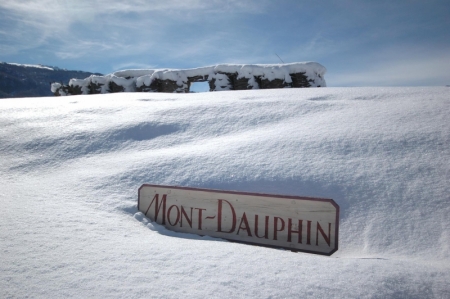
<point>55,87</point>
<point>70,169</point>
<point>31,65</point>
<point>130,79</point>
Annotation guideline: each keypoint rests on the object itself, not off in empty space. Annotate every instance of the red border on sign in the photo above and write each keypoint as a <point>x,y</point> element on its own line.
<point>261,195</point>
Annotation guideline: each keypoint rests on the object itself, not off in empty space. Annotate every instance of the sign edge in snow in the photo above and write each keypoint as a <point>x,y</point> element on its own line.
<point>297,223</point>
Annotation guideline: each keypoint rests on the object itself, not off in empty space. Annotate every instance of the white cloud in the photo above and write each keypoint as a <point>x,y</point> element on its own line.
<point>80,48</point>
<point>32,23</point>
<point>66,12</point>
<point>133,65</point>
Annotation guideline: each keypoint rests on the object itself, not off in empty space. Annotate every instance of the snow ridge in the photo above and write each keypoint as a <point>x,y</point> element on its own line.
<point>40,66</point>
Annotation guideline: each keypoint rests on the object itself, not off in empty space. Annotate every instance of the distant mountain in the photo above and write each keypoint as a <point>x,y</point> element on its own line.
<point>25,80</point>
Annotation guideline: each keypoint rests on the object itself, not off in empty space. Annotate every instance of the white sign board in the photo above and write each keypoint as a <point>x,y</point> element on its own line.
<point>296,223</point>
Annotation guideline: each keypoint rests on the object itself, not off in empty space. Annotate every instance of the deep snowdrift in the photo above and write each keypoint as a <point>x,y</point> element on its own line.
<point>71,167</point>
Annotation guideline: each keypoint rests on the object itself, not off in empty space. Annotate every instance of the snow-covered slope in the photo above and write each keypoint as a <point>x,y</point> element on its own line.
<point>70,169</point>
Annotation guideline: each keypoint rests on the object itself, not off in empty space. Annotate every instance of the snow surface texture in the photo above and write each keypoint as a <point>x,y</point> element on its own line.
<point>133,80</point>
<point>70,169</point>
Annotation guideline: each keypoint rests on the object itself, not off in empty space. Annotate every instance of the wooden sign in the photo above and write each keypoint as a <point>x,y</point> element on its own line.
<point>295,223</point>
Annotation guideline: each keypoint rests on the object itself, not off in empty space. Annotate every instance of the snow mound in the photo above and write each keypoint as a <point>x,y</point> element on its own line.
<point>71,167</point>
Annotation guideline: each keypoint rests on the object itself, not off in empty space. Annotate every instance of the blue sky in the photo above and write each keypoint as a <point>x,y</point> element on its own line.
<point>361,43</point>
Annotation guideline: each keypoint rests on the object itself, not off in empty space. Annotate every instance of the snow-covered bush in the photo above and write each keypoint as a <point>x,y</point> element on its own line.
<point>220,77</point>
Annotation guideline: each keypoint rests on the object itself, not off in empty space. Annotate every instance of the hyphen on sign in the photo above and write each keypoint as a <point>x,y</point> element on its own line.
<point>297,223</point>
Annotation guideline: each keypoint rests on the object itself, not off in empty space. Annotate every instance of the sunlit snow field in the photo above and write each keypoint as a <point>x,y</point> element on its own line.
<point>70,169</point>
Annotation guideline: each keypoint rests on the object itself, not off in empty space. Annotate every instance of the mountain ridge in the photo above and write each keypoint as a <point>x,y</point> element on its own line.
<point>25,80</point>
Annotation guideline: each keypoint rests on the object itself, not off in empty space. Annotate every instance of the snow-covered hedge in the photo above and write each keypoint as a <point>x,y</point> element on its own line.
<point>220,77</point>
